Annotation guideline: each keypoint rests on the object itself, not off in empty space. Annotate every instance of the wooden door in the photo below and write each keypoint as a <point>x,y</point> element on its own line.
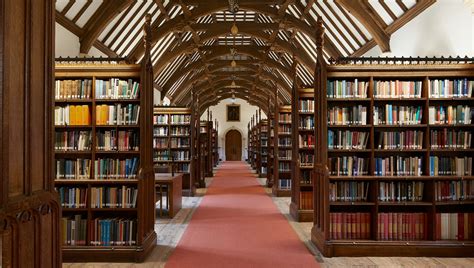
<point>233,146</point>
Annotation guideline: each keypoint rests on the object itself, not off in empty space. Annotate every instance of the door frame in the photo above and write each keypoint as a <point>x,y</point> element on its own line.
<point>241,142</point>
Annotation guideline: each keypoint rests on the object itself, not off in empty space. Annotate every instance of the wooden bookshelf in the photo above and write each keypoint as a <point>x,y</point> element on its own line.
<point>283,153</point>
<point>103,143</point>
<point>205,153</point>
<point>263,141</point>
<point>301,207</point>
<point>271,150</point>
<point>423,201</point>
<point>215,144</point>
<point>172,143</point>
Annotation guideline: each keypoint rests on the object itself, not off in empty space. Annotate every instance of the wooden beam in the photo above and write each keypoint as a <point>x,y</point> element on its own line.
<point>362,11</point>
<point>106,12</point>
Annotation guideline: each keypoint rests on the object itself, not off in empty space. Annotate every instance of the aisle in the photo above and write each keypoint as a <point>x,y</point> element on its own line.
<point>237,225</point>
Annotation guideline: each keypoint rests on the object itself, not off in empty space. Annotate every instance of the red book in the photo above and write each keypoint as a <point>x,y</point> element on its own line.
<point>425,226</point>
<point>367,226</point>
<point>388,227</point>
<point>358,226</point>
<point>344,225</point>
<point>400,217</point>
<point>461,226</point>
<point>438,226</point>
<point>339,225</point>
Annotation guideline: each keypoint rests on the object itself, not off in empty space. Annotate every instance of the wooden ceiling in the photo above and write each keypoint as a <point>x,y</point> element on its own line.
<point>193,46</point>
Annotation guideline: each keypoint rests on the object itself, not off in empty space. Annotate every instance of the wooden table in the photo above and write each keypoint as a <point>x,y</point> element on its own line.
<point>173,186</point>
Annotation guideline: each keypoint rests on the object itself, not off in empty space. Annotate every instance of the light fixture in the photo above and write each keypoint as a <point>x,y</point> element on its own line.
<point>233,84</point>
<point>234,30</point>
<point>233,63</point>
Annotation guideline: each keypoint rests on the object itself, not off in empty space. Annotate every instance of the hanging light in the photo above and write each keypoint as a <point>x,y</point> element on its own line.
<point>234,30</point>
<point>233,84</point>
<point>233,63</point>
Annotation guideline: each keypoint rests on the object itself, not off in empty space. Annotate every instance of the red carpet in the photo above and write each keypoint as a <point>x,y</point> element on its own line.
<point>237,225</point>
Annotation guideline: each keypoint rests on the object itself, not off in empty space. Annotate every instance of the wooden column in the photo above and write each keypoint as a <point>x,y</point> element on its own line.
<point>321,173</point>
<point>29,209</point>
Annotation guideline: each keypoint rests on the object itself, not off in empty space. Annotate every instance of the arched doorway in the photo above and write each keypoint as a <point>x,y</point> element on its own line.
<point>233,146</point>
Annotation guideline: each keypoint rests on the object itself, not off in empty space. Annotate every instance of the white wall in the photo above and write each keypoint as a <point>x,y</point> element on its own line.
<point>219,112</point>
<point>444,29</point>
<point>67,44</point>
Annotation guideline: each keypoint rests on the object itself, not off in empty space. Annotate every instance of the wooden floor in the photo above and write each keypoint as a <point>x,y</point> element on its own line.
<point>170,231</point>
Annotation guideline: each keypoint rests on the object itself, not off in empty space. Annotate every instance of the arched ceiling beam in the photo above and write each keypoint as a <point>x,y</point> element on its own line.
<point>186,86</point>
<point>362,11</point>
<point>190,46</point>
<point>258,58</point>
<point>106,12</point>
<point>226,76</point>
<point>254,100</point>
<point>208,7</point>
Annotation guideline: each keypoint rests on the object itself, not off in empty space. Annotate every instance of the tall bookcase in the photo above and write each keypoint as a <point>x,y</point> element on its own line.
<point>172,143</point>
<point>215,144</point>
<point>271,150</point>
<point>303,151</point>
<point>263,141</point>
<point>205,152</point>
<point>394,176</point>
<point>103,160</point>
<point>283,153</point>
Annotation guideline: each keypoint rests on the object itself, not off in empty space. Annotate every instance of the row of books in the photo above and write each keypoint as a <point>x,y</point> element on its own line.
<point>355,115</point>
<point>458,166</point>
<point>348,191</point>
<point>284,118</point>
<point>110,168</point>
<point>400,191</point>
<point>179,142</point>
<point>399,166</point>
<point>73,169</point>
<point>306,106</point>
<point>72,115</point>
<point>284,184</point>
<point>181,155</point>
<point>451,115</point>
<point>125,141</point>
<point>390,140</point>
<point>182,167</point>
<point>284,129</point>
<point>306,159</point>
<point>346,139</point>
<point>284,154</point>
<point>397,89</point>
<point>73,89</point>
<point>284,167</point>
<point>450,139</point>
<point>306,177</point>
<point>161,155</point>
<point>454,226</point>
<point>114,197</point>
<point>445,88</point>
<point>113,232</point>
<point>72,197</point>
<point>179,131</point>
<point>454,190</point>
<point>341,89</point>
<point>397,115</point>
<point>348,166</point>
<point>402,226</point>
<point>284,141</point>
<point>72,140</point>
<point>306,122</point>
<point>160,119</point>
<point>117,114</point>
<point>114,88</point>
<point>160,143</point>
<point>306,200</point>
<point>74,231</point>
<point>306,140</point>
<point>160,131</point>
<point>349,225</point>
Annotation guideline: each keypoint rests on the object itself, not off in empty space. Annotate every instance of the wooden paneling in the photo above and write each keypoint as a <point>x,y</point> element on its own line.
<point>29,212</point>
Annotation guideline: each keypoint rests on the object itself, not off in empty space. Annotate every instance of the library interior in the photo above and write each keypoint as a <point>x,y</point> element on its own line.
<point>237,133</point>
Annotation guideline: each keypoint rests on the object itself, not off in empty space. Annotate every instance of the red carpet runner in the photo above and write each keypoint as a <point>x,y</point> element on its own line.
<point>237,225</point>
